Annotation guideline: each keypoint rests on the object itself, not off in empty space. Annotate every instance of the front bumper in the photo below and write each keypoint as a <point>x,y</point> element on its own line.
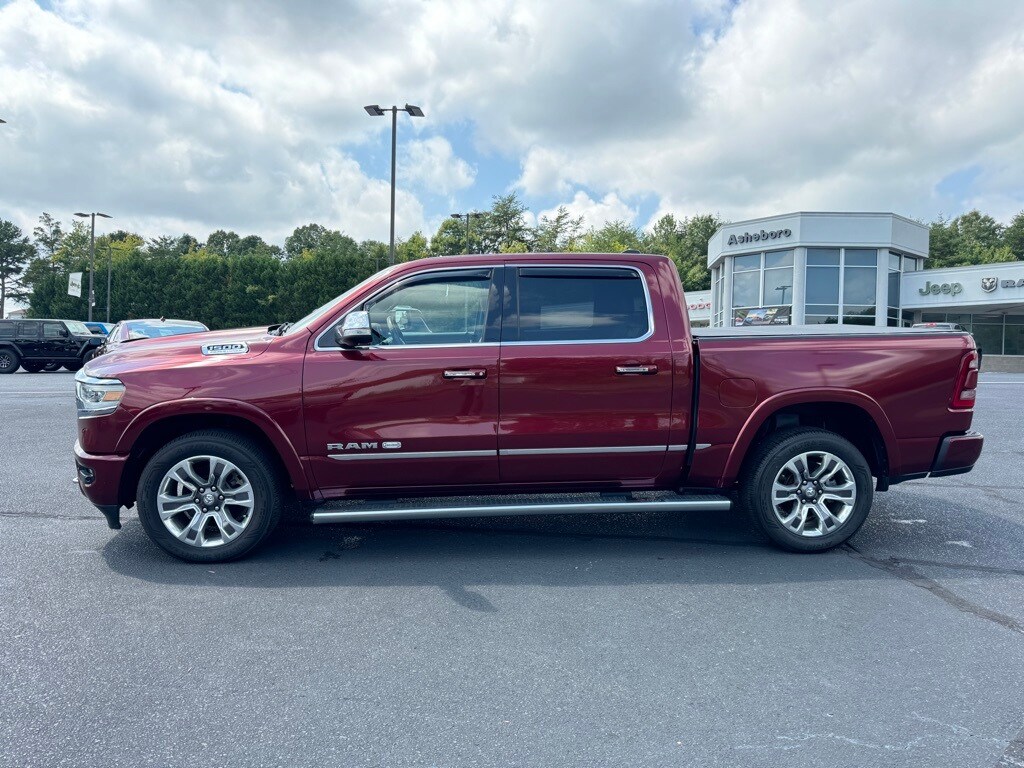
<point>99,480</point>
<point>957,454</point>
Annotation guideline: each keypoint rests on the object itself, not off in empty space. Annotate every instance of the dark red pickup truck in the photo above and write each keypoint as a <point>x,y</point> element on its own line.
<point>517,384</point>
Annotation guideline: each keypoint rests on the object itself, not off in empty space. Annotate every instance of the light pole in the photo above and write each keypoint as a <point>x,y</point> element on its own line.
<point>783,288</point>
<point>110,259</point>
<point>92,251</point>
<point>468,217</point>
<point>373,110</point>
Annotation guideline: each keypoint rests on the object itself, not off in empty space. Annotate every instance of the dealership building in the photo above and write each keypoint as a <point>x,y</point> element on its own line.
<point>854,269</point>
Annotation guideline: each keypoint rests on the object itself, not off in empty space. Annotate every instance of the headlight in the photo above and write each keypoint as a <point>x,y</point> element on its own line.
<point>96,397</point>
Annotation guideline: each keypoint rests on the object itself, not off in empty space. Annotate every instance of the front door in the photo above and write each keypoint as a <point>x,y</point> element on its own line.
<point>56,342</point>
<point>419,406</point>
<point>586,371</point>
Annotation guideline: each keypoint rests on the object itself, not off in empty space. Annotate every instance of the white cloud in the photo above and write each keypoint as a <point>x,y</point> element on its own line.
<point>595,213</point>
<point>432,165</point>
<point>249,115</point>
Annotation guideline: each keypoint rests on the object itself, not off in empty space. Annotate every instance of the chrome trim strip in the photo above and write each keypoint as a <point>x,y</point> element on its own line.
<point>330,327</point>
<point>699,446</point>
<point>410,455</point>
<point>368,513</point>
<point>682,447</point>
<point>647,298</point>
<point>601,449</point>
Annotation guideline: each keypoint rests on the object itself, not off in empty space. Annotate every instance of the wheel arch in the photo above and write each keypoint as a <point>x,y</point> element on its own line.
<point>852,415</point>
<point>156,426</point>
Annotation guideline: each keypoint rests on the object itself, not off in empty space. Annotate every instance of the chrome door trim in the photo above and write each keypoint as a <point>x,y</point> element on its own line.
<point>597,449</point>
<point>330,327</point>
<point>647,298</point>
<point>411,455</point>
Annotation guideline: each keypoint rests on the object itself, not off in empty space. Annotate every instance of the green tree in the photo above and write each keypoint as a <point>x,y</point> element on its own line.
<point>304,238</point>
<point>15,252</point>
<point>613,237</point>
<point>1013,236</point>
<point>554,234</point>
<point>48,234</point>
<point>450,238</point>
<point>503,227</point>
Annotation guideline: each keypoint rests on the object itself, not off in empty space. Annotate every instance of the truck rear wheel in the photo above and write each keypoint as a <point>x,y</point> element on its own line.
<point>808,490</point>
<point>209,496</point>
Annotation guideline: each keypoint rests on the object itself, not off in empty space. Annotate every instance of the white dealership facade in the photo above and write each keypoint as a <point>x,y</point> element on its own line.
<point>856,269</point>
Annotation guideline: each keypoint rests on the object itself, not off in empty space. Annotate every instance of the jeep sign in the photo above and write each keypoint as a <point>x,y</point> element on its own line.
<point>936,288</point>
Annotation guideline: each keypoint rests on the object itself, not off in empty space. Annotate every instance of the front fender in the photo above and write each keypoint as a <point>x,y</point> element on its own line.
<point>220,407</point>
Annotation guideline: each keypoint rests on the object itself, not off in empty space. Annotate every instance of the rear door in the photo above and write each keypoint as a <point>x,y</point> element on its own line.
<point>419,407</point>
<point>27,338</point>
<point>586,371</point>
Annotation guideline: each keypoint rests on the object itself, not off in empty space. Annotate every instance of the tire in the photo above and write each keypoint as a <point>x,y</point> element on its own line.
<point>231,531</point>
<point>9,360</point>
<point>73,366</point>
<point>32,367</point>
<point>51,367</point>
<point>89,356</point>
<point>811,514</point>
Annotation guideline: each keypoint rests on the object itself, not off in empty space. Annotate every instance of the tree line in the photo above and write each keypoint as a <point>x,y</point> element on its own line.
<point>232,280</point>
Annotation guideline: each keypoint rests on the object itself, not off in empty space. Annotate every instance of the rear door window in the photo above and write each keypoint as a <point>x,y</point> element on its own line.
<point>574,304</point>
<point>28,330</point>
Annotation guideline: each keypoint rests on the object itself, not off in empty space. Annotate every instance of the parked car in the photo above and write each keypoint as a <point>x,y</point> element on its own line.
<point>137,330</point>
<point>941,326</point>
<point>38,344</point>
<point>100,329</point>
<point>522,374</point>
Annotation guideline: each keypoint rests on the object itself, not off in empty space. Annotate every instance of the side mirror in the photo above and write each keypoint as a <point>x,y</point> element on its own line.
<point>354,331</point>
<point>64,332</point>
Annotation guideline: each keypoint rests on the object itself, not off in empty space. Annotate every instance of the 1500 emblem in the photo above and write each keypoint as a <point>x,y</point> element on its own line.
<point>226,348</point>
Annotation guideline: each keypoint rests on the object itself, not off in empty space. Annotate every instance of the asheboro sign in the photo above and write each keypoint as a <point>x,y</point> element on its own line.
<point>757,237</point>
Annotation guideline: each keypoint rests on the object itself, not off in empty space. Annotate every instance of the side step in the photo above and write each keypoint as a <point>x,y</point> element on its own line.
<point>425,509</point>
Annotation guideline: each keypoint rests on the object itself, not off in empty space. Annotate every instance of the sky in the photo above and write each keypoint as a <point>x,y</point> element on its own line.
<point>192,116</point>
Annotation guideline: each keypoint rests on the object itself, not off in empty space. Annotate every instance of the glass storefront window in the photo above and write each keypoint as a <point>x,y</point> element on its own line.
<point>774,259</point>
<point>859,285</point>
<point>778,286</point>
<point>860,257</point>
<point>822,285</point>
<point>825,257</point>
<point>746,288</point>
<point>744,263</point>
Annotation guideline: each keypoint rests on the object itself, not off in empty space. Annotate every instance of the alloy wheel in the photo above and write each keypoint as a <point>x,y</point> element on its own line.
<point>205,501</point>
<point>814,493</point>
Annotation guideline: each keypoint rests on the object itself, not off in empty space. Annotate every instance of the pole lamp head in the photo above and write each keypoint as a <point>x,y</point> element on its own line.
<point>374,110</point>
<point>413,110</point>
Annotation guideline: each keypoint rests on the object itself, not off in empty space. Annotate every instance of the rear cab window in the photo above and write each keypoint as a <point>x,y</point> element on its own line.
<point>580,304</point>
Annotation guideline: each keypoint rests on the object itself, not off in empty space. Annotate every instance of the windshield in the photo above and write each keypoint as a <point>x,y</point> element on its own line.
<point>160,330</point>
<point>78,328</point>
<point>319,312</point>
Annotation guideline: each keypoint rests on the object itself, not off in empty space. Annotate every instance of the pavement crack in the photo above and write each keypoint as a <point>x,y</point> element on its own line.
<point>903,570</point>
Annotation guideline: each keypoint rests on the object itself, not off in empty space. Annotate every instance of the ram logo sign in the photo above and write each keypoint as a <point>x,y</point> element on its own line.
<point>988,284</point>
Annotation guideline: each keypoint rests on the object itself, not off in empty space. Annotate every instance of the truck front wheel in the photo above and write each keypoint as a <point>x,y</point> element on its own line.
<point>209,496</point>
<point>808,490</point>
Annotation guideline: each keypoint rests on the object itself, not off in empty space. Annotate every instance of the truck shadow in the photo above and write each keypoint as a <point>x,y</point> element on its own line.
<point>456,556</point>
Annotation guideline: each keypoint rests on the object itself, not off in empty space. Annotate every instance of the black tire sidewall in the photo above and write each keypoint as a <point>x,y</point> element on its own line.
<point>246,456</point>
<point>32,367</point>
<point>757,488</point>
<point>14,356</point>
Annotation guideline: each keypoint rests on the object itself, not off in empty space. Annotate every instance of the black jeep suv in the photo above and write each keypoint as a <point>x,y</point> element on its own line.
<point>38,344</point>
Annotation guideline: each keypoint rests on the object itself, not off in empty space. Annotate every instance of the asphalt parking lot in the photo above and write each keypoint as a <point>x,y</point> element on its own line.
<point>630,640</point>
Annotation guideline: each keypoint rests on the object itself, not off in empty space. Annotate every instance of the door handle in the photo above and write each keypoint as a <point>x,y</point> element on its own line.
<point>636,370</point>
<point>472,373</point>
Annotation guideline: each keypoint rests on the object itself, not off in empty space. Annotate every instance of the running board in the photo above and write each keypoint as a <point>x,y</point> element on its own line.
<point>425,509</point>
